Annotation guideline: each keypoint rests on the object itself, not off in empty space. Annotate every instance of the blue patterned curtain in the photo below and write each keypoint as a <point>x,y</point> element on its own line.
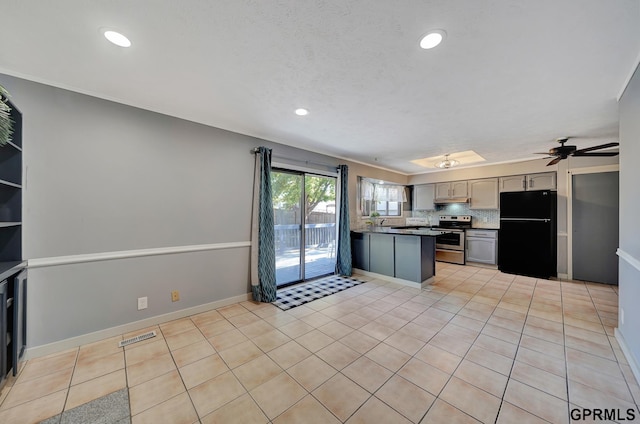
<point>343,255</point>
<point>263,250</point>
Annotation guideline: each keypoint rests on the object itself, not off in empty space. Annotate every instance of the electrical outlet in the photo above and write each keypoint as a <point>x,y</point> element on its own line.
<point>175,296</point>
<point>485,219</point>
<point>142,303</point>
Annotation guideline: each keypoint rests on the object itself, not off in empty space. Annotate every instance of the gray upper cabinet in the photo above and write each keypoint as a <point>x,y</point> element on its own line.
<point>423,195</point>
<point>459,189</point>
<point>451,190</point>
<point>483,194</point>
<point>541,181</point>
<point>443,190</point>
<point>513,183</point>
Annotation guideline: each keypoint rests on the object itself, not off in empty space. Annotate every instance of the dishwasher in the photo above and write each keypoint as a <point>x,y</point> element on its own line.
<point>482,246</point>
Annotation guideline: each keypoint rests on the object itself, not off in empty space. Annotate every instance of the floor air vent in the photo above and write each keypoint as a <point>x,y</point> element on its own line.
<point>137,338</point>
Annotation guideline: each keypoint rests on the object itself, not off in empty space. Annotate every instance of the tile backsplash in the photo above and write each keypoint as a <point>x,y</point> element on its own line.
<point>492,216</point>
<point>489,218</point>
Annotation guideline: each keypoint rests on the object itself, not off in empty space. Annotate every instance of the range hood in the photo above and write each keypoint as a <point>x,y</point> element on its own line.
<point>451,200</point>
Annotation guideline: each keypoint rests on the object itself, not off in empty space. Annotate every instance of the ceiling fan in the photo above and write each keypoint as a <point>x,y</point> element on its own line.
<point>563,152</point>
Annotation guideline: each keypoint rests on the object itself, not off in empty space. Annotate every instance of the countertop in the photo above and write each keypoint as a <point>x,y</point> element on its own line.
<point>400,231</point>
<point>426,231</point>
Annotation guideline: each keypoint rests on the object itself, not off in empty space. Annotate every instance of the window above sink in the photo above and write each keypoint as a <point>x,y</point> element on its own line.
<point>381,198</point>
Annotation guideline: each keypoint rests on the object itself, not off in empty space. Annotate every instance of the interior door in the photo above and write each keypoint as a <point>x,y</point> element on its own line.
<point>595,222</point>
<point>303,201</point>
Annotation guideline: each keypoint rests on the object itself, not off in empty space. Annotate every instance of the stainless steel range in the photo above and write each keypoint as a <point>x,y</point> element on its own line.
<point>450,245</point>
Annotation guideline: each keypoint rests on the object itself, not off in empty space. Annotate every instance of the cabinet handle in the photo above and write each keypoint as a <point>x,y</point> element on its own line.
<point>524,183</point>
<point>530,183</point>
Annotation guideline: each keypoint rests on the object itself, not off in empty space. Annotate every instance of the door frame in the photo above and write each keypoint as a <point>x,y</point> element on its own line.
<point>280,166</point>
<point>570,174</point>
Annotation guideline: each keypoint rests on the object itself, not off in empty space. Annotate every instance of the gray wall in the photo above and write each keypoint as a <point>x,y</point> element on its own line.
<point>104,177</point>
<point>629,280</point>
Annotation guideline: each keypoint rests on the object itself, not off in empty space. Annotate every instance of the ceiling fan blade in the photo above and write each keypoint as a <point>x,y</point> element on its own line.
<point>601,146</point>
<point>540,153</point>
<point>553,162</point>
<point>601,154</point>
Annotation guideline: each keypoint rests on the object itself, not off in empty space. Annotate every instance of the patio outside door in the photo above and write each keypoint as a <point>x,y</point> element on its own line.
<point>303,201</point>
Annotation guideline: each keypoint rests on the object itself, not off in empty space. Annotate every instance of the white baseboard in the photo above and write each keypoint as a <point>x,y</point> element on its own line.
<point>563,276</point>
<point>633,364</point>
<point>62,345</point>
<point>408,283</point>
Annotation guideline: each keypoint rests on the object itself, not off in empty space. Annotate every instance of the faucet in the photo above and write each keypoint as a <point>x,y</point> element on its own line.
<point>382,222</point>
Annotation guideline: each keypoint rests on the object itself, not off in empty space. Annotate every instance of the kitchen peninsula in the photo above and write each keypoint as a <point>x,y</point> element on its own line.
<point>406,255</point>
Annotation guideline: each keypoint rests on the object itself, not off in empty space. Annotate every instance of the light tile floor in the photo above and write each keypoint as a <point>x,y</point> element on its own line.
<point>476,346</point>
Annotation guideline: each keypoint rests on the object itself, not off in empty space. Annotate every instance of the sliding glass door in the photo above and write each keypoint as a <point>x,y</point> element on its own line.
<point>320,226</point>
<point>287,200</point>
<point>303,201</point>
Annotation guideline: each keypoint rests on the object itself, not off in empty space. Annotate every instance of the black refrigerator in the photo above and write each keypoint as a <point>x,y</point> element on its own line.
<point>527,242</point>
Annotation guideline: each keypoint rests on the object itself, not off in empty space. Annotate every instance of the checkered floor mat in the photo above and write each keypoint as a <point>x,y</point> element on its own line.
<point>299,295</point>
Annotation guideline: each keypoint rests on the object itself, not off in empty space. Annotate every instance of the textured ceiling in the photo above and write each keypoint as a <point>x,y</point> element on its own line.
<point>510,77</point>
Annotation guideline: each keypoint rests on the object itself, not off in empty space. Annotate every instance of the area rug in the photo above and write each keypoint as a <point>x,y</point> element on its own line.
<point>299,295</point>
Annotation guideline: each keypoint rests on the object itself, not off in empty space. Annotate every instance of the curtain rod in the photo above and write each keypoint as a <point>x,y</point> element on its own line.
<point>306,162</point>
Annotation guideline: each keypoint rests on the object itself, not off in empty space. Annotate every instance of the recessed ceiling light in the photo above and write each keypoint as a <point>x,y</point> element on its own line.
<point>302,112</point>
<point>432,39</point>
<point>117,38</point>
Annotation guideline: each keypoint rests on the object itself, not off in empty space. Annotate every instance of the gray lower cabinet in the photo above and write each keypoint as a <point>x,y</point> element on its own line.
<point>360,250</point>
<point>482,246</point>
<point>381,254</point>
<point>408,257</point>
<point>412,261</point>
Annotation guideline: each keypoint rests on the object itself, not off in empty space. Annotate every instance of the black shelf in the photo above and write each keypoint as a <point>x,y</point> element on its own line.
<point>11,192</point>
<point>12,276</point>
<point>10,163</point>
